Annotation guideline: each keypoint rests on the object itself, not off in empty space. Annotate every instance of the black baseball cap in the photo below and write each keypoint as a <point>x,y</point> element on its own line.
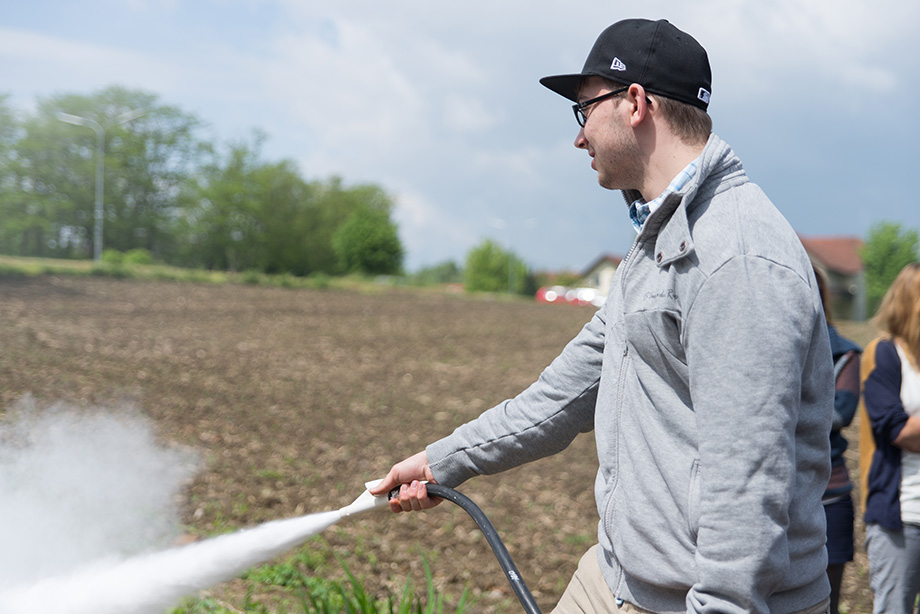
<point>654,54</point>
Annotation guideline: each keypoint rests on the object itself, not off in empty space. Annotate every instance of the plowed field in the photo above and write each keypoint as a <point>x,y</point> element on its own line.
<point>294,398</point>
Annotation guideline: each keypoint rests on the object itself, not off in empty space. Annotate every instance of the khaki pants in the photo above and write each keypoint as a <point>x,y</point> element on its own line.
<point>588,593</point>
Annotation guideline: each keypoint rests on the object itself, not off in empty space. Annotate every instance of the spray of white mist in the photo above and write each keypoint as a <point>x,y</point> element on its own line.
<point>153,583</point>
<point>80,484</point>
<point>88,507</point>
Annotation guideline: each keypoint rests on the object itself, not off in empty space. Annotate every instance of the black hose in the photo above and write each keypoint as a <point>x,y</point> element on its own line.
<point>498,547</point>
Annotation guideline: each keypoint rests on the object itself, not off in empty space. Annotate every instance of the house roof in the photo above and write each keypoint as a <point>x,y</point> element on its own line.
<point>837,254</point>
<point>602,259</point>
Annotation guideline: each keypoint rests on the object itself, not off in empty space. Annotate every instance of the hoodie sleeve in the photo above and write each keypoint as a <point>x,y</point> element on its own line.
<point>761,383</point>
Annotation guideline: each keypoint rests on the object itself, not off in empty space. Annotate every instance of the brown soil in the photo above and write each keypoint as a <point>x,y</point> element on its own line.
<point>295,398</point>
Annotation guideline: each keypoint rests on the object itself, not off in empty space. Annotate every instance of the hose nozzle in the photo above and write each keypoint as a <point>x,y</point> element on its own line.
<point>365,502</point>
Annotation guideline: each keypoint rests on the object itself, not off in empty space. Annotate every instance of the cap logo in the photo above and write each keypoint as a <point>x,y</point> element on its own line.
<point>617,65</point>
<point>704,95</point>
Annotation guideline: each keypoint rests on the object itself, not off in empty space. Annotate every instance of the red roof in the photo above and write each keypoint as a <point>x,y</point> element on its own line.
<point>837,254</point>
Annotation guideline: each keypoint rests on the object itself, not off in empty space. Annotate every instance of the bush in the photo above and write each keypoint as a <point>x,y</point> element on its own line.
<point>447,272</point>
<point>489,268</point>
<point>319,280</point>
<point>113,257</point>
<point>368,243</point>
<point>138,256</point>
<point>251,277</point>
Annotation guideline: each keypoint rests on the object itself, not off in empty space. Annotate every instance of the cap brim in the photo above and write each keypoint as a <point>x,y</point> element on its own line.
<point>564,85</point>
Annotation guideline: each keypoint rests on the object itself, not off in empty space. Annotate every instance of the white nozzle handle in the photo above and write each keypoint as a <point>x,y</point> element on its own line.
<point>366,502</point>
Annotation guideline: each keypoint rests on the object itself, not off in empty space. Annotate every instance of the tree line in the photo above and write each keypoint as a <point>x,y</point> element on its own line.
<point>174,193</point>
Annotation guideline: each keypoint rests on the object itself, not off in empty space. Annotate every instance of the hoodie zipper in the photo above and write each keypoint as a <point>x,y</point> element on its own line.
<point>621,376</point>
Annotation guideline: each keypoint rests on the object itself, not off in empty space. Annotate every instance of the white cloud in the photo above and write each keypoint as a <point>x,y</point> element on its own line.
<point>348,92</point>
<point>760,47</point>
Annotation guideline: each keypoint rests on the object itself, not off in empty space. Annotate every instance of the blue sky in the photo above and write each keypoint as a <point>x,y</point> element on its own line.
<point>439,103</point>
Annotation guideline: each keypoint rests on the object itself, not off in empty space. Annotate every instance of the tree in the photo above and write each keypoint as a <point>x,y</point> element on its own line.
<point>49,194</point>
<point>255,215</point>
<point>332,207</point>
<point>368,242</point>
<point>489,268</point>
<point>250,215</point>
<point>8,132</point>
<point>39,219</point>
<point>887,250</point>
<point>172,194</point>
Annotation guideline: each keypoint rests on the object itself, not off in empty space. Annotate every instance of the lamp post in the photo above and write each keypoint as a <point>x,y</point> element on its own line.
<point>100,164</point>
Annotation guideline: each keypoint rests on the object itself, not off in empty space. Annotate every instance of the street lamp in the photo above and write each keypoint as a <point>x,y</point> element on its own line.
<point>100,163</point>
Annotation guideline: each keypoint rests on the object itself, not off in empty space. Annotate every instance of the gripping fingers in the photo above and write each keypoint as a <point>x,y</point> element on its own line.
<point>412,497</point>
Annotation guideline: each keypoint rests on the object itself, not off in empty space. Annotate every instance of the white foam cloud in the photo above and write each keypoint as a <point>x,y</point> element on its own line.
<point>82,483</point>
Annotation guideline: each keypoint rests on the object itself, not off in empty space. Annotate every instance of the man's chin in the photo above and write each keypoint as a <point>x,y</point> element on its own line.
<point>606,183</point>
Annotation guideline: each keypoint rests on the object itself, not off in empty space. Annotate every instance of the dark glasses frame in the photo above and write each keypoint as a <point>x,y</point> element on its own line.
<point>579,107</point>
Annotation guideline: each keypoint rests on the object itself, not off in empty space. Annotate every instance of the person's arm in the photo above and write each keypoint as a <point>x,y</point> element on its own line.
<point>846,394</point>
<point>753,336</point>
<point>882,396</point>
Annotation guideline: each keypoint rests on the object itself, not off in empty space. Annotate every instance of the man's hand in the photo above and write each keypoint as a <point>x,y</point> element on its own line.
<point>408,475</point>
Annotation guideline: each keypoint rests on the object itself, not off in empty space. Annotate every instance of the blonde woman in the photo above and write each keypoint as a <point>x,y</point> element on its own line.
<point>891,393</point>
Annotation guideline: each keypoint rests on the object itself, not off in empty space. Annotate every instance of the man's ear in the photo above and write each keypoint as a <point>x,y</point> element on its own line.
<point>639,103</point>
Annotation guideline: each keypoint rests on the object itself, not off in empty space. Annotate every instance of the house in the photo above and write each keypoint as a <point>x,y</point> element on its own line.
<point>600,272</point>
<point>838,258</point>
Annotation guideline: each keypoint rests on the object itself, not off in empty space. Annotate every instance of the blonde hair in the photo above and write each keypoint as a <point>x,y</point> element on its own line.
<point>899,313</point>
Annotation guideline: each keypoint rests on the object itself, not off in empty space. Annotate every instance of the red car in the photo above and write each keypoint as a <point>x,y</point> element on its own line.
<point>570,296</point>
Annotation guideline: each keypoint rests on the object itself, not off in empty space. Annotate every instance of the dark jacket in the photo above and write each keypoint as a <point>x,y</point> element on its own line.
<point>882,397</point>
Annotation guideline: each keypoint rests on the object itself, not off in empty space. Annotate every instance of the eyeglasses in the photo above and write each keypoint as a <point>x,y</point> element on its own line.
<point>579,107</point>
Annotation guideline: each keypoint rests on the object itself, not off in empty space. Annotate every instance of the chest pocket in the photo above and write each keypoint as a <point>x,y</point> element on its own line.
<point>654,338</point>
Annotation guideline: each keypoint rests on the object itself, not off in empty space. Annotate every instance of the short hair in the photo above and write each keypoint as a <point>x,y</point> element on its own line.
<point>899,313</point>
<point>691,124</point>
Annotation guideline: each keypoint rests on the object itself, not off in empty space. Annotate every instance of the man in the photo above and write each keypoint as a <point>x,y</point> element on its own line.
<point>706,375</point>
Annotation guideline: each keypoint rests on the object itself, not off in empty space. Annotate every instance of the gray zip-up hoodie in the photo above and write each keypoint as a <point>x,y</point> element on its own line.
<point>707,378</point>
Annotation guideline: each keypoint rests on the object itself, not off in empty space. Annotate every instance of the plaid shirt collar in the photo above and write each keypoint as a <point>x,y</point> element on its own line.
<point>639,210</point>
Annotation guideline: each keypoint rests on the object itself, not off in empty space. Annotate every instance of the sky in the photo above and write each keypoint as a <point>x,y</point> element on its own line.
<point>439,103</point>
